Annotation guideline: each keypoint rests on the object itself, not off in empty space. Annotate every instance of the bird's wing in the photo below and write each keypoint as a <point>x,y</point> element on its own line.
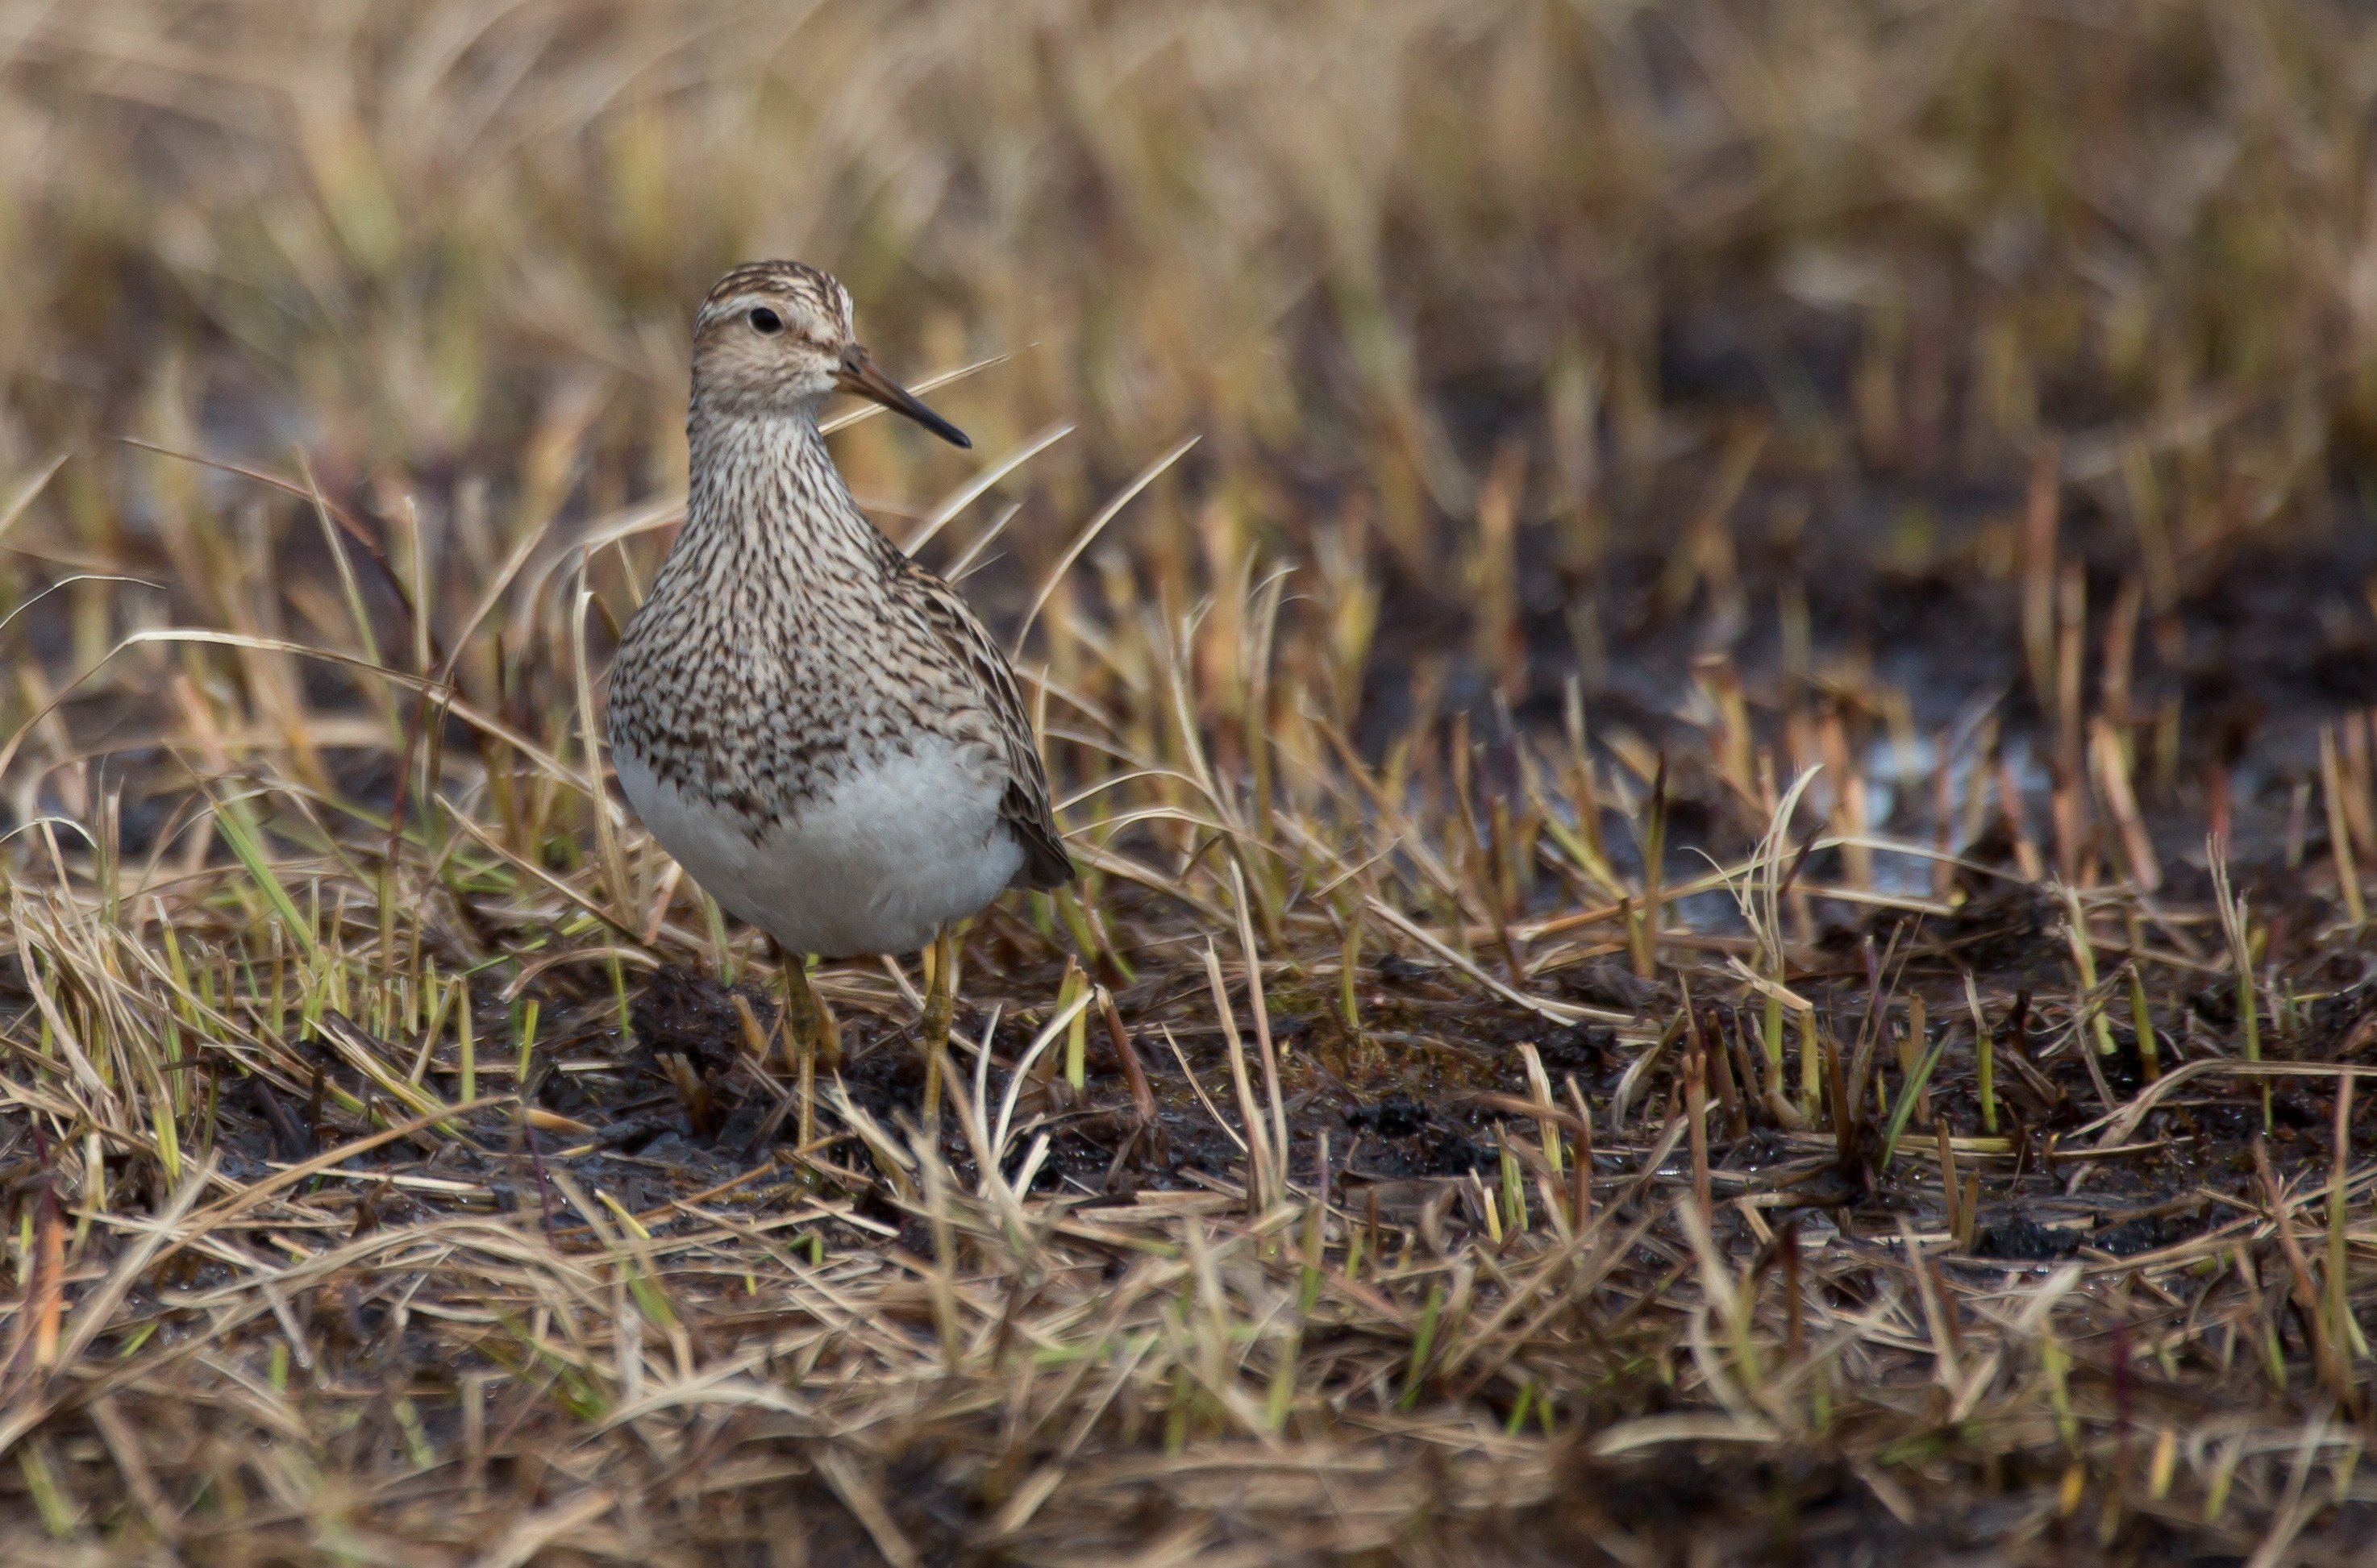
<point>1025,806</point>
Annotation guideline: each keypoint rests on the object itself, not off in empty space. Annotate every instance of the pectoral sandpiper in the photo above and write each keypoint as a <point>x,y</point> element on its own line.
<point>815,727</point>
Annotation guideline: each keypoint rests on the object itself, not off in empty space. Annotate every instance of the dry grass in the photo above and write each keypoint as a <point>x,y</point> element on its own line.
<point>1577,1037</point>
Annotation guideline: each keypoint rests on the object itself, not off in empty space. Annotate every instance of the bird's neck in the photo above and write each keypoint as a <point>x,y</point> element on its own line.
<point>763,492</point>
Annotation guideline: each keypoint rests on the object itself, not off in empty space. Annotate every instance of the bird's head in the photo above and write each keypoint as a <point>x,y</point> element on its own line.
<point>776,337</point>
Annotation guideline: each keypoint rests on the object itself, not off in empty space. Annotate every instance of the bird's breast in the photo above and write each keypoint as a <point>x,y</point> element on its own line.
<point>875,859</point>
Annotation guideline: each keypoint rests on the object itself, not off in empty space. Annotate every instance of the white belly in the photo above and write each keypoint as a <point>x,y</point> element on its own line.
<point>876,864</point>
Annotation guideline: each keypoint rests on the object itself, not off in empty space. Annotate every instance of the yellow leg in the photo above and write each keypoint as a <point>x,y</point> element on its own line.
<point>940,966</point>
<point>812,1039</point>
<point>809,1028</point>
<point>801,1036</point>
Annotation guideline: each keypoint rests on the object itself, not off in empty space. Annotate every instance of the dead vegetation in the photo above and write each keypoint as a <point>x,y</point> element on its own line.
<point>1712,663</point>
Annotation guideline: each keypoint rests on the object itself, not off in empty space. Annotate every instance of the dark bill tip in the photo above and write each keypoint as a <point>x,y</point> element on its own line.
<point>860,375</point>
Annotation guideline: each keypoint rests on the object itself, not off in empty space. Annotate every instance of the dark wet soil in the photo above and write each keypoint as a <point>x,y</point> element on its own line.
<point>1410,1107</point>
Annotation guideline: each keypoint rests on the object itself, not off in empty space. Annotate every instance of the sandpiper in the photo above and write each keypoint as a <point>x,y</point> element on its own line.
<point>814,726</point>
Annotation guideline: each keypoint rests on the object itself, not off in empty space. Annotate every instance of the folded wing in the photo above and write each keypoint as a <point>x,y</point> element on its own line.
<point>1024,807</point>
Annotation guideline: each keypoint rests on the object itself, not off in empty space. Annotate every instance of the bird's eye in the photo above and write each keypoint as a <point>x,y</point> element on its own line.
<point>766,321</point>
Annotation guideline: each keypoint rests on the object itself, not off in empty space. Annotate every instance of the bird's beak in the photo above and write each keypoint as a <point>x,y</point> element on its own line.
<point>858,374</point>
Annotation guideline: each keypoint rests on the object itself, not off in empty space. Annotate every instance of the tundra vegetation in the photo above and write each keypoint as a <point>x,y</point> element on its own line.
<point>1711,664</point>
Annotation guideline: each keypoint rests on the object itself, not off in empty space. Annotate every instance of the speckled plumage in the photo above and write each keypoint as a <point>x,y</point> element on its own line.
<point>800,713</point>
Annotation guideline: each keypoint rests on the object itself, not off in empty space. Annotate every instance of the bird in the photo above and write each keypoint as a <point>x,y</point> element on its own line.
<point>820,730</point>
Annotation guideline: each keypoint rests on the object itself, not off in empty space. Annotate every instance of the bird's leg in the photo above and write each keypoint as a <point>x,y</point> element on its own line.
<point>809,1034</point>
<point>939,1008</point>
<point>808,1025</point>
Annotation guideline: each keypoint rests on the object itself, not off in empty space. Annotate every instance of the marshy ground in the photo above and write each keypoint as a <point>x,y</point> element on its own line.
<point>1726,806</point>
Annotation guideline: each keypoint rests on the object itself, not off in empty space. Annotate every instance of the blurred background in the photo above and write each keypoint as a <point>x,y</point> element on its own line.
<point>1873,377</point>
<point>1602,413</point>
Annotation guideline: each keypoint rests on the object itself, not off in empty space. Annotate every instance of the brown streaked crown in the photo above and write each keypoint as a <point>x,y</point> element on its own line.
<point>775,337</point>
<point>814,294</point>
<point>772,335</point>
